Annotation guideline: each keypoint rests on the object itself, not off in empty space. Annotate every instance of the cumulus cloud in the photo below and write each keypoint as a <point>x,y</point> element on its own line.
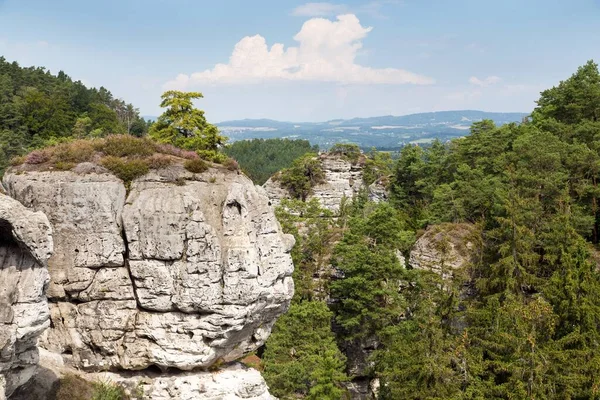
<point>326,52</point>
<point>490,80</point>
<point>319,10</point>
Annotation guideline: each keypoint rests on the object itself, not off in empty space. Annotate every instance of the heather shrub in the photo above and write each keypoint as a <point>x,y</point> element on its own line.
<point>196,166</point>
<point>126,145</point>
<point>231,164</point>
<point>157,161</point>
<point>176,151</point>
<point>73,152</point>
<point>126,170</point>
<point>37,157</point>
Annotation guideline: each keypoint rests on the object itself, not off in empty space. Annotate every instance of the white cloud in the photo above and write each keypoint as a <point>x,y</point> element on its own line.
<point>326,53</point>
<point>319,10</point>
<point>490,80</point>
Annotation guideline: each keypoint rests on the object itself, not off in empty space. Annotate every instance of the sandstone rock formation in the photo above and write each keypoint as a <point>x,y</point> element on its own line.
<point>342,179</point>
<point>181,271</point>
<point>25,246</point>
<point>444,248</point>
<point>234,382</point>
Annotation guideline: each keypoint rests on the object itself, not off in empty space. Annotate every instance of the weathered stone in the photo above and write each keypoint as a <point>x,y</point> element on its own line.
<point>445,248</point>
<point>343,179</point>
<point>234,382</point>
<point>169,275</point>
<point>25,246</point>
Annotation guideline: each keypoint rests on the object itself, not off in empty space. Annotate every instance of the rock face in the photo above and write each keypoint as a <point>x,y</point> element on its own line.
<point>182,271</point>
<point>342,179</point>
<point>234,382</point>
<point>25,246</point>
<point>444,248</point>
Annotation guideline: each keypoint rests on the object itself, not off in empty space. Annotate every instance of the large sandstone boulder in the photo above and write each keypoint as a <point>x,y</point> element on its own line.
<point>445,248</point>
<point>25,246</point>
<point>233,382</point>
<point>180,271</point>
<point>343,179</point>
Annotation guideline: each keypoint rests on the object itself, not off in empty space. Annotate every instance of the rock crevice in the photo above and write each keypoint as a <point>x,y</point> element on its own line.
<point>25,246</point>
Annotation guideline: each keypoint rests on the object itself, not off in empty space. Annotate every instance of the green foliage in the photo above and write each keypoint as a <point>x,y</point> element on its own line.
<point>575,100</point>
<point>312,250</point>
<point>368,297</point>
<point>105,390</point>
<point>262,158</point>
<point>38,108</point>
<point>378,167</point>
<point>302,176</point>
<point>301,357</point>
<point>530,326</point>
<point>185,126</point>
<point>348,151</point>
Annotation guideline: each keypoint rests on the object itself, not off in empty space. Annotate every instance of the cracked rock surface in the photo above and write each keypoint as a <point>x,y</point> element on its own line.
<point>181,271</point>
<point>25,246</point>
<point>342,179</point>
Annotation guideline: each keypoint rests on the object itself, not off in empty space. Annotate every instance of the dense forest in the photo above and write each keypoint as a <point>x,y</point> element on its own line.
<point>38,109</point>
<point>521,321</point>
<point>261,158</point>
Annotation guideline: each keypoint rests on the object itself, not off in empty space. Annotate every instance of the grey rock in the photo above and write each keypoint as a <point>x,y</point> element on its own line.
<point>445,248</point>
<point>25,246</point>
<point>343,180</point>
<point>234,382</point>
<point>171,275</point>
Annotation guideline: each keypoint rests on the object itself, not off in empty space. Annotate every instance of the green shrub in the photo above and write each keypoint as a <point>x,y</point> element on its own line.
<point>126,170</point>
<point>347,151</point>
<point>196,166</point>
<point>126,145</point>
<point>212,155</point>
<point>302,176</point>
<point>108,391</point>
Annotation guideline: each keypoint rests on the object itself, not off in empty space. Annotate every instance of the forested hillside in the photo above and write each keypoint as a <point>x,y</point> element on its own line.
<point>521,320</point>
<point>38,108</point>
<point>261,158</point>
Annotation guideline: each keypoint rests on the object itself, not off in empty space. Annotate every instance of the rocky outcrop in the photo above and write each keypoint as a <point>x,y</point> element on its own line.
<point>25,246</point>
<point>445,248</point>
<point>343,179</point>
<point>233,382</point>
<point>181,271</point>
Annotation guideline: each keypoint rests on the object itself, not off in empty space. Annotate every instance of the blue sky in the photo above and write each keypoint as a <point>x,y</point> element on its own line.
<point>298,61</point>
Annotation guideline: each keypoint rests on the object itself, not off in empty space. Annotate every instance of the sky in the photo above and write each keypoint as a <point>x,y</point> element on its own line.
<point>315,61</point>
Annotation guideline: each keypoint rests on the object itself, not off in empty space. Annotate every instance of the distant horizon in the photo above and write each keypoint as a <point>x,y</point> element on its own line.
<point>153,117</point>
<point>304,60</point>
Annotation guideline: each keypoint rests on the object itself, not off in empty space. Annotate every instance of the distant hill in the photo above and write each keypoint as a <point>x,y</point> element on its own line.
<point>386,132</point>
